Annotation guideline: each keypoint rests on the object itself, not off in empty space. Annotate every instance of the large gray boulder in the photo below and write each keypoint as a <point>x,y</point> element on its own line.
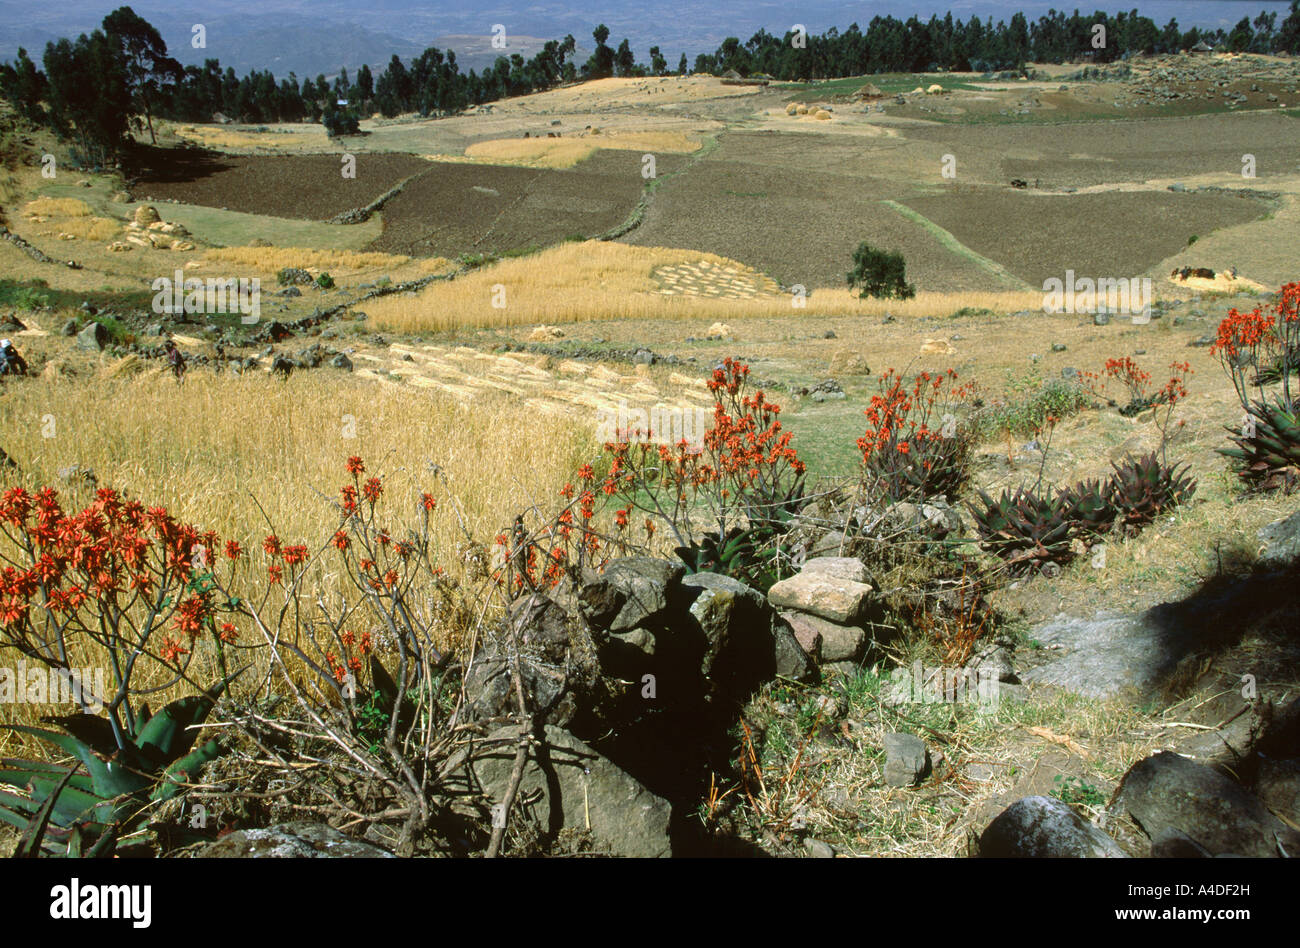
<point>93,337</point>
<point>297,840</point>
<point>1045,828</point>
<point>634,591</point>
<point>557,661</point>
<point>1169,792</point>
<point>1281,541</point>
<point>569,785</point>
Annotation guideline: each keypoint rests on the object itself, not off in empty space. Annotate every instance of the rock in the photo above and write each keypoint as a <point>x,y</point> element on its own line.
<point>153,329</point>
<point>641,585</point>
<point>906,759</point>
<point>1169,843</point>
<point>827,641</point>
<point>69,328</point>
<point>806,632</point>
<point>1168,791</point>
<point>1044,827</point>
<point>1281,541</point>
<point>572,786</point>
<point>718,330</point>
<point>824,593</point>
<point>93,338</point>
<point>1058,347</point>
<point>1101,319</point>
<point>281,365</point>
<point>146,215</point>
<point>643,357</point>
<point>557,664</point>
<point>839,567</point>
<point>1069,372</point>
<point>818,849</point>
<point>1278,785</point>
<point>829,334</point>
<point>791,660</point>
<point>736,626</point>
<point>291,291</point>
<point>298,840</point>
<point>341,361</point>
<point>933,519</point>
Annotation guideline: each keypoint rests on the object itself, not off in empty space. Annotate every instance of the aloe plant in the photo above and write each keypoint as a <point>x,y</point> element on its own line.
<point>76,813</point>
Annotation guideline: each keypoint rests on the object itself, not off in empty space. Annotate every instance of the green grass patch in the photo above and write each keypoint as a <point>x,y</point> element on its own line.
<point>37,294</point>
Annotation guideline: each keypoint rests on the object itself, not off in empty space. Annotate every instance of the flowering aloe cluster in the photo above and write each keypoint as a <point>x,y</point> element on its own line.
<point>725,502</point>
<point>915,445</point>
<point>1258,349</point>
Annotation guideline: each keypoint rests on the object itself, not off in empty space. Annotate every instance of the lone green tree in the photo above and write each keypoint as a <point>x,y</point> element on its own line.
<point>148,67</point>
<point>601,63</point>
<point>879,273</point>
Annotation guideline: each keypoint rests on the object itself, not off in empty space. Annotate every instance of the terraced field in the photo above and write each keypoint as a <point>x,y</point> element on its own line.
<point>456,208</point>
<point>1037,236</point>
<point>306,187</point>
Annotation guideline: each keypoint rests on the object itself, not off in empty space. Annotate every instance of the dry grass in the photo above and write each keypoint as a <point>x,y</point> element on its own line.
<point>57,207</point>
<point>91,228</point>
<point>567,152</point>
<point>594,280</point>
<point>216,448</point>
<point>275,258</point>
<point>220,137</point>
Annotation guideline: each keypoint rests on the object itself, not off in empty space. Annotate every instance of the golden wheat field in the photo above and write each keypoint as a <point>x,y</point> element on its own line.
<point>269,259</point>
<point>247,455</point>
<point>567,152</point>
<point>596,280</point>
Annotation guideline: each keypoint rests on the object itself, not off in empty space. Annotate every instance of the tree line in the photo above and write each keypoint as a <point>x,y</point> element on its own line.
<point>892,45</point>
<point>98,88</point>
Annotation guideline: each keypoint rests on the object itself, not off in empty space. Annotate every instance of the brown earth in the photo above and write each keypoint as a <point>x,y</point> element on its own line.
<point>760,199</point>
<point>1094,153</point>
<point>1037,236</point>
<point>308,187</point>
<point>456,208</point>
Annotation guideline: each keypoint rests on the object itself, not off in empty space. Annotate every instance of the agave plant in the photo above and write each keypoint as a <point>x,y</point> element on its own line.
<point>1142,488</point>
<point>1091,506</point>
<point>1268,448</point>
<point>74,813</point>
<point>747,555</point>
<point>1026,529</point>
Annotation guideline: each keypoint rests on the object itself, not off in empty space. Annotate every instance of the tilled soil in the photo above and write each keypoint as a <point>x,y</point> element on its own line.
<point>456,208</point>
<point>1112,234</point>
<point>307,187</point>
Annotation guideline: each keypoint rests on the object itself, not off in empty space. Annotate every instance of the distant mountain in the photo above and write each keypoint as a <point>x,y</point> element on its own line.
<point>320,36</point>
